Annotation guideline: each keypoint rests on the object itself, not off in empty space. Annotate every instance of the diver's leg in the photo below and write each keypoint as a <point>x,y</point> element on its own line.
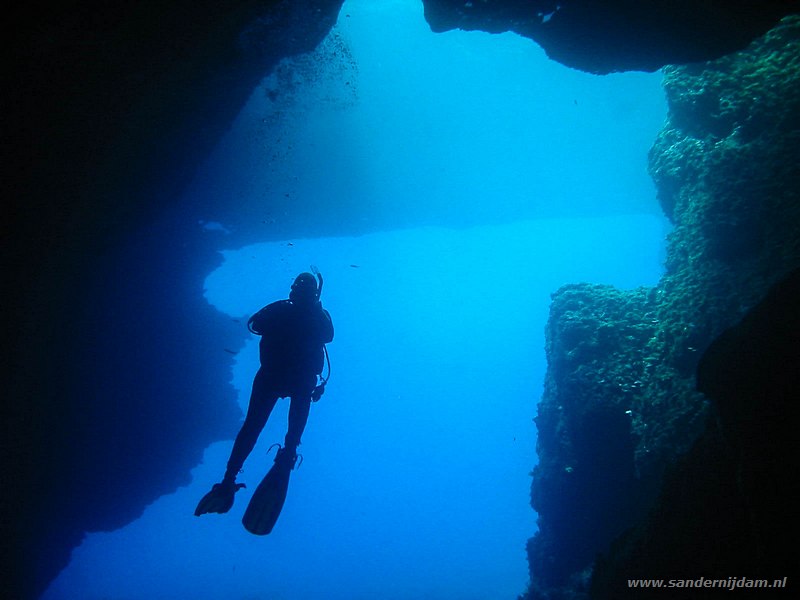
<point>298,417</point>
<point>262,401</point>
<point>298,412</point>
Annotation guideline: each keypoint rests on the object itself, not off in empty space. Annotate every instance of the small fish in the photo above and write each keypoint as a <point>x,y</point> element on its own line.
<point>356,266</point>
<point>229,351</point>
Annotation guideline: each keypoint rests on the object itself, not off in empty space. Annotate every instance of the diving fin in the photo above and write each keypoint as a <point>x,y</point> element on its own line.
<point>265,506</point>
<point>219,499</point>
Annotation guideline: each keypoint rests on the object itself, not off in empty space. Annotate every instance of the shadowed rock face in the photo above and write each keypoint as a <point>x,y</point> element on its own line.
<point>726,169</point>
<point>728,507</point>
<point>616,35</point>
<point>586,487</point>
<point>108,109</point>
<point>118,365</point>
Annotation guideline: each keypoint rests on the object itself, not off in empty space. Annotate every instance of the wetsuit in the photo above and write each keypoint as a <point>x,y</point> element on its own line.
<point>291,354</point>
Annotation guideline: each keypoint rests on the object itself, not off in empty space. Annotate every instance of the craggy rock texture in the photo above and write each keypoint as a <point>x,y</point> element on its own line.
<point>617,35</point>
<point>728,508</point>
<point>586,486</point>
<point>727,169</point>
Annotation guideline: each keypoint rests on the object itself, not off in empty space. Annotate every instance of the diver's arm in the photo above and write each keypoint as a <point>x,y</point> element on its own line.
<point>260,322</point>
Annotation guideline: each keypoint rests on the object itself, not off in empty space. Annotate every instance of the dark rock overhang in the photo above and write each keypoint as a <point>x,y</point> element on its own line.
<point>618,35</point>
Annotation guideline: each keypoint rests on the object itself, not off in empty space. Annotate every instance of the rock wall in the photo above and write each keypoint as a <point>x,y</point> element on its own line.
<point>620,403</point>
<point>117,375</point>
<point>727,509</point>
<point>586,487</point>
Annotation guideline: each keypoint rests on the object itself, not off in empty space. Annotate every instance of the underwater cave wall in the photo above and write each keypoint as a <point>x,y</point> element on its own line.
<point>585,486</point>
<point>620,404</point>
<point>117,370</point>
<point>727,509</point>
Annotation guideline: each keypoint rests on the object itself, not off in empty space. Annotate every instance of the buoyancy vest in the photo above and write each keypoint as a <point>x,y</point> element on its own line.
<point>292,338</point>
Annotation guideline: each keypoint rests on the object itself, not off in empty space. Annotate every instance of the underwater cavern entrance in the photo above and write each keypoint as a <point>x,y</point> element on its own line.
<point>445,185</point>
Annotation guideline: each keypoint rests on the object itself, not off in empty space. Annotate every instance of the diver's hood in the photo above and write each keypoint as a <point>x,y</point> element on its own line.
<point>304,288</point>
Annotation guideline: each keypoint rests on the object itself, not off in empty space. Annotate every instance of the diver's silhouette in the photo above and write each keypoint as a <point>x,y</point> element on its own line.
<point>293,336</point>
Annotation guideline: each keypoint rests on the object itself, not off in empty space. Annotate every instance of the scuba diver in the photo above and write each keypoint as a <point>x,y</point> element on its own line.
<point>292,352</point>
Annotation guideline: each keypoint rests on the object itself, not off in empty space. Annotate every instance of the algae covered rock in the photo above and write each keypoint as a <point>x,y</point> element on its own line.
<point>620,406</point>
<point>596,340</point>
<point>728,506</point>
<point>727,169</point>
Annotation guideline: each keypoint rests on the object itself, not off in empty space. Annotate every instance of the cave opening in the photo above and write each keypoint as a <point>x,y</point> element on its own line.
<point>445,184</point>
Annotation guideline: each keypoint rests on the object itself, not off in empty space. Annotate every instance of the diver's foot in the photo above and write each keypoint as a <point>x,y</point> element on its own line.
<point>219,499</point>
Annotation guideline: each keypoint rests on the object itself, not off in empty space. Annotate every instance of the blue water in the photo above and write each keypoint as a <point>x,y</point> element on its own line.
<point>415,482</point>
